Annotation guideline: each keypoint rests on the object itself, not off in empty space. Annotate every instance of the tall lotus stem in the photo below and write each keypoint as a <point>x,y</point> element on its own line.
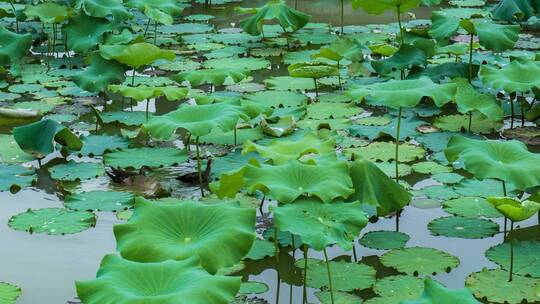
<point>399,23</point>
<point>355,256</point>
<point>398,130</point>
<point>342,13</point>
<point>276,246</point>
<point>511,252</point>
<point>147,106</point>
<point>522,106</point>
<point>316,89</point>
<point>199,165</point>
<point>147,26</point>
<point>471,41</point>
<point>294,257</point>
<point>329,276</point>
<point>155,32</point>
<point>15,14</point>
<point>304,290</point>
<point>235,136</point>
<point>339,74</point>
<point>505,218</point>
<point>512,110</point>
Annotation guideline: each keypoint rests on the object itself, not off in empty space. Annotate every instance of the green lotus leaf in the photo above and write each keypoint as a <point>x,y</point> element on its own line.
<point>403,93</point>
<point>281,151</point>
<point>121,281</point>
<point>86,32</point>
<point>518,76</point>
<point>169,7</point>
<point>346,276</point>
<point>508,10</point>
<point>95,145</point>
<point>9,293</point>
<point>468,99</point>
<point>74,171</point>
<point>52,221</point>
<point>285,125</point>
<point>385,151</point>
<point>99,74</point>
<point>143,92</point>
<point>457,123</point>
<point>408,129</point>
<point>14,177</point>
<point>236,63</point>
<point>136,158</point>
<point>339,297</point>
<point>217,136</point>
<point>99,200</point>
<point>10,152</point>
<point>435,293</point>
<point>104,8</point>
<point>342,48</point>
<point>514,209</point>
<point>372,186</point>
<point>321,225</point>
<point>216,77</point>
<point>419,260</point>
<point>471,207</point>
<point>378,7</point>
<point>38,138</point>
<point>483,188</point>
<point>14,46</point>
<point>288,83</point>
<point>462,227</point>
<point>394,289</point>
<point>430,167</point>
<point>136,55</point>
<point>407,57</point>
<point>285,183</point>
<point>253,288</point>
<point>441,71</point>
<point>287,17</point>
<point>384,240</point>
<point>493,286</point>
<point>497,37</point>
<point>199,120</point>
<point>135,118</point>
<point>276,99</point>
<point>312,70</point>
<point>48,12</point>
<point>260,250</point>
<point>496,159</point>
<point>439,192</point>
<point>526,260</point>
<point>331,110</point>
<point>220,235</point>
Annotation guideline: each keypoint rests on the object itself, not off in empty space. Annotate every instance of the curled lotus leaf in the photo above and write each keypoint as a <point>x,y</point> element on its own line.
<point>503,160</point>
<point>14,46</point>
<point>120,281</point>
<point>517,76</point>
<point>287,17</point>
<point>85,32</point>
<point>215,77</point>
<point>99,74</point>
<point>342,48</point>
<point>514,209</point>
<point>104,8</point>
<point>312,70</point>
<point>136,55</point>
<point>220,235</point>
<point>321,225</point>
<point>420,260</point>
<point>468,99</point>
<point>435,293</point>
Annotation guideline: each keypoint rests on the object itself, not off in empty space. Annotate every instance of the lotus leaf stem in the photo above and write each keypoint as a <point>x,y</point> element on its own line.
<point>316,89</point>
<point>304,289</point>
<point>399,23</point>
<point>235,136</point>
<point>512,111</point>
<point>342,13</point>
<point>522,106</point>
<point>511,252</point>
<point>329,276</point>
<point>471,41</point>
<point>276,246</point>
<point>147,106</point>
<point>339,75</point>
<point>262,205</point>
<point>147,26</point>
<point>155,32</point>
<point>354,253</point>
<point>294,257</point>
<point>199,165</point>
<point>505,218</point>
<point>15,14</point>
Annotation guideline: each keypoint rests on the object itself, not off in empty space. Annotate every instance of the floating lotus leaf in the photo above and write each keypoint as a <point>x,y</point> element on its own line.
<point>394,289</point>
<point>287,182</point>
<point>85,32</point>
<point>99,74</point>
<point>136,55</point>
<point>288,83</point>
<point>14,177</point>
<point>95,145</point>
<point>281,151</point>
<point>483,188</point>
<point>430,167</point>
<point>253,288</point>
<point>47,12</point>
<point>9,293</point>
<point>14,46</point>
<point>471,207</point>
<point>287,17</point>
<point>439,192</point>
<point>496,159</point>
<point>435,293</point>
<point>384,240</point>
<point>99,200</point>
<point>312,70</point>
<point>514,209</point>
<point>328,110</point>
<point>372,186</point>
<point>217,136</point>
<point>526,259</point>
<point>104,8</point>
<point>220,235</point>
<point>321,225</point>
<point>135,118</point>
<point>346,276</point>
<point>493,286</point>
<point>407,57</point>
<point>517,76</point>
<point>249,63</point>
<point>419,260</point>
<point>468,99</point>
<point>385,151</point>
<point>74,171</point>
<point>52,221</point>
<point>260,250</point>
<point>463,227</point>
<point>403,93</point>
<point>199,120</point>
<point>408,128</point>
<point>378,7</point>
<point>277,99</point>
<point>136,158</point>
<point>339,297</point>
<point>144,92</point>
<point>121,281</point>
<point>215,77</point>
<point>38,138</point>
<point>10,152</point>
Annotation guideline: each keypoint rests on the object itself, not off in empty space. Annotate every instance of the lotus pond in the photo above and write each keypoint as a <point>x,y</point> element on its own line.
<point>323,151</point>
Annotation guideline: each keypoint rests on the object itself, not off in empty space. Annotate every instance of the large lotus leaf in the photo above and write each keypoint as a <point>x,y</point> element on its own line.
<point>444,25</point>
<point>235,63</point>
<point>220,235</point>
<point>144,92</point>
<point>513,209</point>
<point>459,122</point>
<point>128,118</point>
<point>384,240</point>
<point>435,293</point>
<point>526,259</point>
<point>13,46</point>
<point>406,57</point>
<point>52,221</point>
<point>199,120</point>
<point>378,7</point>
<point>84,32</point>
<point>394,289</point>
<point>496,159</point>
<point>518,76</point>
<point>497,37</point>
<point>9,293</point>
<point>260,250</point>
<point>10,152</point>
<point>332,110</point>
<point>170,7</point>
<point>468,99</point>
<point>511,10</point>
<point>493,285</point>
<point>471,207</point>
<point>47,12</point>
<point>38,139</point>
<point>99,200</point>
<point>372,186</point>
<point>104,8</point>
<point>342,48</point>
<point>288,83</point>
<point>215,77</point>
<point>276,99</point>
<point>287,17</point>
<point>120,281</point>
<point>136,158</point>
<point>326,180</point>
<point>385,151</point>
<point>321,225</point>
<point>312,70</point>
<point>99,74</point>
<point>281,151</point>
<point>95,145</point>
<point>462,227</point>
<point>419,260</point>
<point>136,55</point>
<point>346,276</point>
<point>74,171</point>
<point>14,177</point>
<point>403,93</point>
<point>408,129</point>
